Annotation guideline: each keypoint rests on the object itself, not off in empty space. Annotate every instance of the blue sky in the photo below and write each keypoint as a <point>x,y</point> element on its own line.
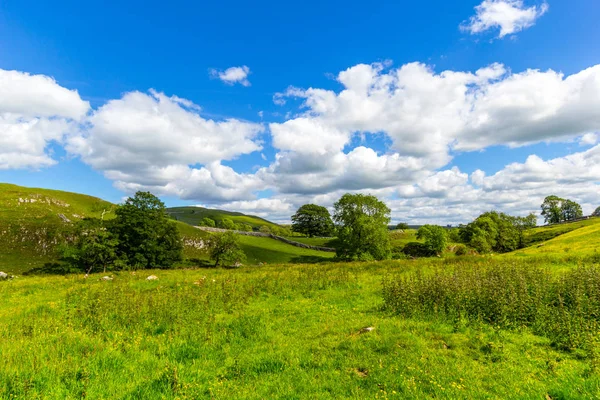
<point>262,162</point>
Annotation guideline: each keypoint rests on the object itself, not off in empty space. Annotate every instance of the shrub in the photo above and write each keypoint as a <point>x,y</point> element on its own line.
<point>461,250</point>
<point>224,249</point>
<point>417,249</point>
<point>565,309</point>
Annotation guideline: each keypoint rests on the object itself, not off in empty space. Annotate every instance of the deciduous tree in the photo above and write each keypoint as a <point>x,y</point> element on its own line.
<point>312,220</point>
<point>362,222</point>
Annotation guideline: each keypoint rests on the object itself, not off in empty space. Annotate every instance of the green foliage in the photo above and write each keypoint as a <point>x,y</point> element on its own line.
<point>402,226</point>
<point>244,227</point>
<point>435,237</point>
<point>264,229</point>
<point>194,215</point>
<point>227,223</point>
<point>209,222</point>
<point>312,220</point>
<point>494,231</point>
<point>224,249</point>
<point>418,249</point>
<point>596,212</point>
<point>362,222</point>
<point>93,247</point>
<point>187,336</point>
<point>146,237</point>
<point>556,209</point>
<point>567,310</point>
<point>570,210</point>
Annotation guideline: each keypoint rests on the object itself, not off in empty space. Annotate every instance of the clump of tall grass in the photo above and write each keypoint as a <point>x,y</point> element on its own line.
<point>565,308</point>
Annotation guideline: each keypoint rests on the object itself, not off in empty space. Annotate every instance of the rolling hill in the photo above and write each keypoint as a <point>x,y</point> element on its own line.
<point>194,216</point>
<point>581,237</point>
<point>33,222</point>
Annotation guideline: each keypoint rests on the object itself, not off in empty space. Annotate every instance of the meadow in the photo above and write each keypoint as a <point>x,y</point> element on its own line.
<point>283,331</point>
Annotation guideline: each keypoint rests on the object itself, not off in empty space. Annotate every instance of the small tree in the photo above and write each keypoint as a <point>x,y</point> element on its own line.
<point>596,212</point>
<point>362,222</point>
<point>146,237</point>
<point>224,249</point>
<point>264,229</point>
<point>551,209</point>
<point>402,226</point>
<point>227,223</point>
<point>93,247</point>
<point>209,222</point>
<point>435,237</point>
<point>312,220</point>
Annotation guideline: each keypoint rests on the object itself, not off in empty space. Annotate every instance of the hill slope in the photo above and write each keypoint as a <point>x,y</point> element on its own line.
<point>582,237</point>
<point>34,221</point>
<point>194,215</point>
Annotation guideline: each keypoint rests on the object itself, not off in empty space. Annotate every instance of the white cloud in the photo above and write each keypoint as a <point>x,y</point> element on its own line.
<point>511,16</point>
<point>274,208</point>
<point>233,75</point>
<point>34,111</point>
<point>158,142</point>
<point>589,139</point>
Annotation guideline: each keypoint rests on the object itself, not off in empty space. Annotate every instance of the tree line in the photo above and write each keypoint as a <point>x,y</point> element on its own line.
<point>142,236</point>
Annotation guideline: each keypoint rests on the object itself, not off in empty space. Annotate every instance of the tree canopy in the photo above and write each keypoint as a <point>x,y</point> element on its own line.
<point>146,237</point>
<point>556,209</point>
<point>596,212</point>
<point>496,231</point>
<point>435,237</point>
<point>362,222</point>
<point>224,249</point>
<point>312,220</point>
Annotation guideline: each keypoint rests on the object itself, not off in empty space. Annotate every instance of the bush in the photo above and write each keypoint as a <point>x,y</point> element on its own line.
<point>417,249</point>
<point>224,249</point>
<point>461,250</point>
<point>565,309</point>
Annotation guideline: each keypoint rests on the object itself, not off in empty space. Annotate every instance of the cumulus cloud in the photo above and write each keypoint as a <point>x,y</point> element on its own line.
<point>233,75</point>
<point>510,16</point>
<point>153,141</point>
<point>34,111</point>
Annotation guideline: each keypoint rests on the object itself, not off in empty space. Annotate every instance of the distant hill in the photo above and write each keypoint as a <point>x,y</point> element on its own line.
<point>34,221</point>
<point>194,216</point>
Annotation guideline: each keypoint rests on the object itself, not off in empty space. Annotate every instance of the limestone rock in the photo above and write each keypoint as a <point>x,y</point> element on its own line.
<point>152,278</point>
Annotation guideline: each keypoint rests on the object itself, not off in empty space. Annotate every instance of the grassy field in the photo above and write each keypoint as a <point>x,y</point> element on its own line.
<point>277,331</point>
<point>194,215</point>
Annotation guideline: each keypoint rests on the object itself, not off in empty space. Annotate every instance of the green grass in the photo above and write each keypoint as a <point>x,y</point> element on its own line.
<point>30,231</point>
<point>400,238</point>
<point>30,225</point>
<point>315,241</point>
<point>280,331</point>
<point>544,233</point>
<point>194,215</point>
<point>583,240</point>
<point>266,250</point>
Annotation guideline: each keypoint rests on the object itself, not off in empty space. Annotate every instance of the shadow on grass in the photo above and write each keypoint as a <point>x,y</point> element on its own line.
<point>53,268</point>
<point>310,259</point>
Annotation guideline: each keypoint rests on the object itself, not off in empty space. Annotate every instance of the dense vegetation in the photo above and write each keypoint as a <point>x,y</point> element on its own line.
<point>293,331</point>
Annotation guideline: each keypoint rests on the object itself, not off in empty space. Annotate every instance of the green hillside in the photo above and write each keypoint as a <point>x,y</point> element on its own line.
<point>194,215</point>
<point>34,221</point>
<point>582,237</point>
<point>544,233</point>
